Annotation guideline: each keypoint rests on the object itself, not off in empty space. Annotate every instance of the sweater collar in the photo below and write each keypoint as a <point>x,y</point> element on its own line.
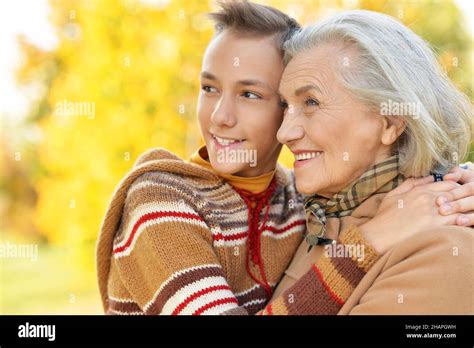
<point>254,184</point>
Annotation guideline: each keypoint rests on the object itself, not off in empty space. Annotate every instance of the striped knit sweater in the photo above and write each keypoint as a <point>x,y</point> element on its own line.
<point>328,284</point>
<point>175,241</point>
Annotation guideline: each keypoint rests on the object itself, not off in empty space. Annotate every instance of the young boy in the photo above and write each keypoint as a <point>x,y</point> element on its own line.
<point>214,235</point>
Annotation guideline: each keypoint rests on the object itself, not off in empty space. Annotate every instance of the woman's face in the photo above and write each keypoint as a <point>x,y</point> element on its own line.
<point>239,108</point>
<point>333,136</point>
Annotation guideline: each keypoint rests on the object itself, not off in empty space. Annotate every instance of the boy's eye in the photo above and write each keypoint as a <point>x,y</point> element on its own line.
<point>283,104</point>
<point>208,89</point>
<point>311,102</point>
<point>251,95</point>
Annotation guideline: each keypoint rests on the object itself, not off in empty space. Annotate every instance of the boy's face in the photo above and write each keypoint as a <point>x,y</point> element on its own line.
<point>239,106</point>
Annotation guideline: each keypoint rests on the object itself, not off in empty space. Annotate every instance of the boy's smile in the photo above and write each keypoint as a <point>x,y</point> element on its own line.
<point>223,143</point>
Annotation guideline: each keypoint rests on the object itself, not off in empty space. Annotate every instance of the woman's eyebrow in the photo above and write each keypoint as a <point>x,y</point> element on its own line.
<point>307,88</point>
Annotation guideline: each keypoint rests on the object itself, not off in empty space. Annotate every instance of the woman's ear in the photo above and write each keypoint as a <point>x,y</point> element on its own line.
<point>392,128</point>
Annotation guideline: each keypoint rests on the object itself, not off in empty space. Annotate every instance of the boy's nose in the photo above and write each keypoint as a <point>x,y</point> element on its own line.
<point>224,113</point>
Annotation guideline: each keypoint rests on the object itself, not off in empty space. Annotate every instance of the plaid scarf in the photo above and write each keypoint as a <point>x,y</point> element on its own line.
<point>381,178</point>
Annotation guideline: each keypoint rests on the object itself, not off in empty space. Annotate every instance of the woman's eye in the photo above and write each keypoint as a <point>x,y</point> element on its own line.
<point>311,102</point>
<point>208,89</point>
<point>251,95</point>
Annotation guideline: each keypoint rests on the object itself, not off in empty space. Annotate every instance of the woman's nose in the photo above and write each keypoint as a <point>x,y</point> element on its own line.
<point>290,130</point>
<point>224,113</point>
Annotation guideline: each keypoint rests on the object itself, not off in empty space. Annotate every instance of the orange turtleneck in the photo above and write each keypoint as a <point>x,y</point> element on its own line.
<point>254,184</point>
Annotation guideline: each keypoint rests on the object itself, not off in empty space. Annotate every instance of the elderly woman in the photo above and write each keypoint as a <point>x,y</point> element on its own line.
<point>367,109</point>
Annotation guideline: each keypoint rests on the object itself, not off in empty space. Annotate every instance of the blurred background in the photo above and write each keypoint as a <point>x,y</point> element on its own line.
<point>86,86</point>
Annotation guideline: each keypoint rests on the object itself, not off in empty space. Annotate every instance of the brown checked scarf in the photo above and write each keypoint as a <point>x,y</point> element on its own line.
<point>381,178</point>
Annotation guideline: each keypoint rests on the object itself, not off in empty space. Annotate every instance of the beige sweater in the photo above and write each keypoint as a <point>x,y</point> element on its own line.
<point>431,273</point>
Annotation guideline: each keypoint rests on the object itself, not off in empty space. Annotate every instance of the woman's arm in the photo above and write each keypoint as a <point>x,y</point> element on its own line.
<point>429,274</point>
<point>419,204</point>
<point>413,203</point>
<point>330,281</point>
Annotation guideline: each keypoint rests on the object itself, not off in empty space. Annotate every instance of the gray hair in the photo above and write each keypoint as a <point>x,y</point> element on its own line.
<point>393,64</point>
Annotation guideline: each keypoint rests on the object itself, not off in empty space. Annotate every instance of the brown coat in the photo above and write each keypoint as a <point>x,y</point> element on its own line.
<point>430,273</point>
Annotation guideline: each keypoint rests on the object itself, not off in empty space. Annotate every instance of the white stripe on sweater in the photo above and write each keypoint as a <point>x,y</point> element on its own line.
<point>252,302</point>
<point>149,208</point>
<point>121,300</point>
<point>192,288</point>
<point>269,223</point>
<point>146,208</point>
<point>241,241</point>
<point>144,226</point>
<point>207,299</point>
<point>276,208</point>
<point>174,276</point>
<point>245,292</point>
<point>230,199</point>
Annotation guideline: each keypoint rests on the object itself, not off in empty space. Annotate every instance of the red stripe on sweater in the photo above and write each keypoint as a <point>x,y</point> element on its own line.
<point>152,216</point>
<point>237,236</point>
<point>219,236</point>
<point>326,286</point>
<point>284,229</point>
<point>214,304</point>
<point>194,296</point>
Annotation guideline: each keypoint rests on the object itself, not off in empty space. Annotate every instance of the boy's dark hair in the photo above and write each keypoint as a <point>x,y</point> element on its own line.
<point>247,18</point>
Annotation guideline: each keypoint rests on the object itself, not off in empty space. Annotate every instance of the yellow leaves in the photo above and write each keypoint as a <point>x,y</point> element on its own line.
<point>130,63</point>
<point>163,48</point>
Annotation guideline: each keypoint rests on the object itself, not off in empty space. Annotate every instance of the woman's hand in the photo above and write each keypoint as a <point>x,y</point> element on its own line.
<point>407,210</point>
<point>460,199</point>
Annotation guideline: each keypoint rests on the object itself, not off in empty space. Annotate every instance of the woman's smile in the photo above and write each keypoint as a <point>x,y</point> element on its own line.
<point>303,158</point>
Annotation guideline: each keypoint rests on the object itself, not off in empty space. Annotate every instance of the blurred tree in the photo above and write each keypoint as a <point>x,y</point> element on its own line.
<point>123,79</point>
<point>440,23</point>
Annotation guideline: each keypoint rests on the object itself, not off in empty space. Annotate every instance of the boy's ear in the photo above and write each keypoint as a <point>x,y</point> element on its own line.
<point>393,127</point>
